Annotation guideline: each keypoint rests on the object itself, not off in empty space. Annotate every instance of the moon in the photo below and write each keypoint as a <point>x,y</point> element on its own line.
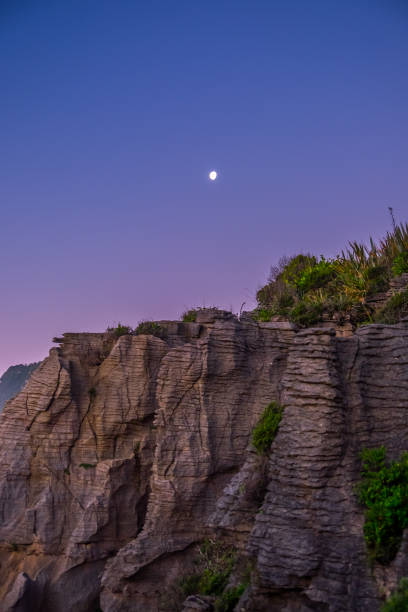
<point>213,175</point>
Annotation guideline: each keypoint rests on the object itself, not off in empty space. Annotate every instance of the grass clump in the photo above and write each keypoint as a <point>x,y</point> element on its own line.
<point>394,310</point>
<point>150,328</point>
<point>383,491</point>
<point>87,466</point>
<point>398,602</point>
<point>267,427</point>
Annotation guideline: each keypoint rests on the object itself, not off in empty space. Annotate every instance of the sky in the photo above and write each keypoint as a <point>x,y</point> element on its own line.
<point>112,114</point>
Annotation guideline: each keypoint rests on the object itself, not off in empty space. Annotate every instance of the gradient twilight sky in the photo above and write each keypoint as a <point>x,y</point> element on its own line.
<point>112,113</point>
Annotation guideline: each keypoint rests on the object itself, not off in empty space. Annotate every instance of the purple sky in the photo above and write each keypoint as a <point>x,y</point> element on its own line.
<point>113,113</point>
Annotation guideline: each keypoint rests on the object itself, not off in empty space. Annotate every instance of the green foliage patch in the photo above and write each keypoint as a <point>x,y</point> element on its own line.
<point>265,430</point>
<point>120,330</point>
<point>227,601</point>
<point>306,313</point>
<point>383,491</point>
<point>398,602</point>
<point>316,276</point>
<point>400,264</point>
<point>87,466</point>
<point>189,316</point>
<point>150,328</point>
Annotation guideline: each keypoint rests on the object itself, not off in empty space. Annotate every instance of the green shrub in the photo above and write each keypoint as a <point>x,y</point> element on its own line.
<point>213,581</point>
<point>378,280</point>
<point>267,427</point>
<point>264,314</point>
<point>284,301</point>
<point>306,313</point>
<point>400,264</point>
<point>58,340</point>
<point>189,316</point>
<point>278,292</point>
<point>266,295</point>
<point>92,393</point>
<point>296,267</point>
<point>394,310</point>
<point>316,276</point>
<point>398,602</point>
<point>87,466</point>
<point>383,491</point>
<point>302,288</point>
<point>150,328</point>
<point>229,599</point>
<point>120,330</point>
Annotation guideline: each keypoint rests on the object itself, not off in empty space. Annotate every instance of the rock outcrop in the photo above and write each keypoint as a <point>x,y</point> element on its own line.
<point>121,454</point>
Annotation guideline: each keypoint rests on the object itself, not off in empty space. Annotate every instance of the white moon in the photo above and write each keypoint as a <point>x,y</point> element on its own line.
<point>213,175</point>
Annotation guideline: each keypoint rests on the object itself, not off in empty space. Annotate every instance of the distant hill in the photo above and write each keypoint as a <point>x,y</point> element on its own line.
<point>13,380</point>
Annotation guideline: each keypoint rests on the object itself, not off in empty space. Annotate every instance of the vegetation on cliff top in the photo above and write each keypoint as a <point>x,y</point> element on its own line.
<point>189,316</point>
<point>304,288</point>
<point>383,491</point>
<point>150,328</point>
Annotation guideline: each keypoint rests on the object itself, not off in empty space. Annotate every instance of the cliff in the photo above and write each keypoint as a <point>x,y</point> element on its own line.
<point>122,455</point>
<point>13,380</point>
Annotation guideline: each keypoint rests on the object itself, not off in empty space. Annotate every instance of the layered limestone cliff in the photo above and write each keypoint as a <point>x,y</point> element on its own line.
<point>122,454</point>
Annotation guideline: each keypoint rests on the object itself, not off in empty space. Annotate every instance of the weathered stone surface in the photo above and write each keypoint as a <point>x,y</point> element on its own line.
<point>120,455</point>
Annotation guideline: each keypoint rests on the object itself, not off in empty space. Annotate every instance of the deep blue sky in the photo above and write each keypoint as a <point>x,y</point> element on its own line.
<point>113,113</point>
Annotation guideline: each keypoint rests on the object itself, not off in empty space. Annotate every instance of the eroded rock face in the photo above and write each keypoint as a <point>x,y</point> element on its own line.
<point>121,454</point>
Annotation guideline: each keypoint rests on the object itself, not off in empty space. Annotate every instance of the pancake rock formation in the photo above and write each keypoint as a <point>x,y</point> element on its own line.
<point>122,455</point>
